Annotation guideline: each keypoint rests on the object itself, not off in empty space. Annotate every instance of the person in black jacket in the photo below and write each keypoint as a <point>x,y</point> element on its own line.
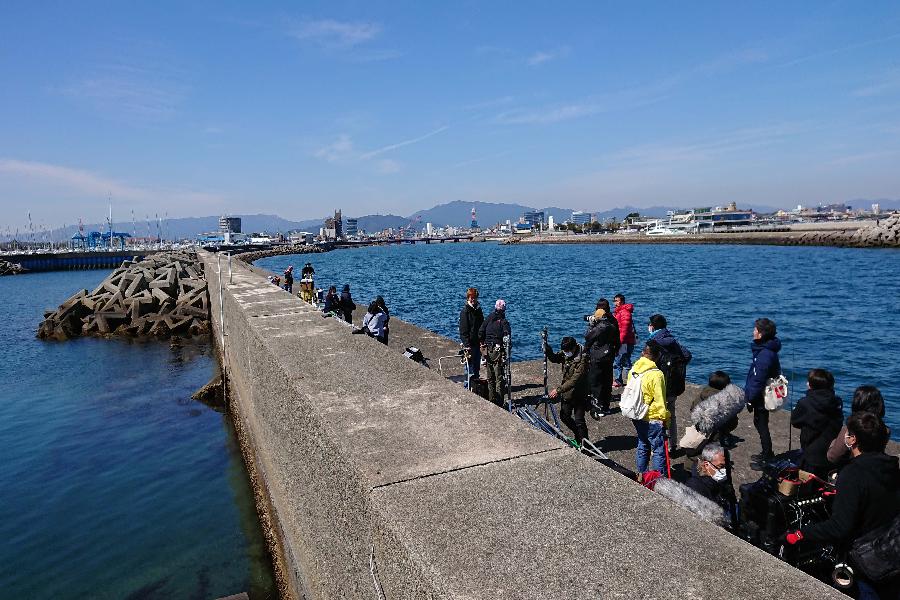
<point>289,279</point>
<point>382,306</point>
<point>868,497</point>
<point>573,389</point>
<point>332,302</point>
<point>470,319</point>
<point>493,335</point>
<point>710,477</point>
<point>765,366</point>
<point>602,342</point>
<point>347,305</point>
<point>673,361</point>
<point>819,416</point>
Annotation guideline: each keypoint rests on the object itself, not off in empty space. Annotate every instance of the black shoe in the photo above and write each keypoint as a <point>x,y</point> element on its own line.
<point>676,453</point>
<point>763,457</point>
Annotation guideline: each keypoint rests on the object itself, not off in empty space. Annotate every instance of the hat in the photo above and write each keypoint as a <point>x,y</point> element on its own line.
<point>500,305</point>
<point>346,287</point>
<point>568,343</point>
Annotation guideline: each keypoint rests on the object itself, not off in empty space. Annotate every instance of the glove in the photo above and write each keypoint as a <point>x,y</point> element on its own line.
<point>793,537</point>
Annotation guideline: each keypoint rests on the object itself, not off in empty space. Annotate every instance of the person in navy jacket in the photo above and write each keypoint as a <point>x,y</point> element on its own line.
<point>765,365</point>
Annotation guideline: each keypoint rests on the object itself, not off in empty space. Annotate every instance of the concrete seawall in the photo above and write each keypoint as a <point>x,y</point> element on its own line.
<point>380,476</point>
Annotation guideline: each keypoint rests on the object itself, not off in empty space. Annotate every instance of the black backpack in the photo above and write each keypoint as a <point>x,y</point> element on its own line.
<point>877,553</point>
<point>674,367</point>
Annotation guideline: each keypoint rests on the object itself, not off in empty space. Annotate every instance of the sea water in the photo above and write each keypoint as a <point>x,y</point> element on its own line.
<point>835,308</point>
<point>113,482</point>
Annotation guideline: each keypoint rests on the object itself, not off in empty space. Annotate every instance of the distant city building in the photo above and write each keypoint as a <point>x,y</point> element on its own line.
<point>230,224</point>
<point>352,228</point>
<point>533,218</point>
<point>334,227</point>
<point>550,223</point>
<point>581,218</point>
<point>474,224</point>
<point>429,229</point>
<point>876,209</point>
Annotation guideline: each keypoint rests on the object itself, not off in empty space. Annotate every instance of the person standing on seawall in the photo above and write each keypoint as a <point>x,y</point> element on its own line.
<point>601,342</point>
<point>624,315</point>
<point>765,366</point>
<point>673,362</point>
<point>573,389</point>
<point>289,279</point>
<point>347,305</point>
<point>470,319</point>
<point>493,345</point>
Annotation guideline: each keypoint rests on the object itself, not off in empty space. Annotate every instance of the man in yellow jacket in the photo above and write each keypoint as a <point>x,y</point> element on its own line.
<point>651,429</point>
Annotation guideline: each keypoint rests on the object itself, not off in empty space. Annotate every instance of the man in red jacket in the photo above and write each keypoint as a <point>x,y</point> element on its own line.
<point>623,314</point>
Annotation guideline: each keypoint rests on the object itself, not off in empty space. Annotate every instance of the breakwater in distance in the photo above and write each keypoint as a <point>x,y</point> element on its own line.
<point>833,306</point>
<point>116,485</point>
<point>35,262</point>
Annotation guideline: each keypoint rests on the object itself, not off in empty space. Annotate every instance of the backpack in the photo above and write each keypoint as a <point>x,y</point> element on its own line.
<point>877,553</point>
<point>631,402</point>
<point>674,368</point>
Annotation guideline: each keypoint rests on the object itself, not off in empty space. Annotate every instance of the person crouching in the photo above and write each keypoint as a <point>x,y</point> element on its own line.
<point>651,430</point>
<point>574,388</point>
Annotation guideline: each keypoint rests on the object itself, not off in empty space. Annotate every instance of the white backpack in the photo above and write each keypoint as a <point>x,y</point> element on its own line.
<point>631,402</point>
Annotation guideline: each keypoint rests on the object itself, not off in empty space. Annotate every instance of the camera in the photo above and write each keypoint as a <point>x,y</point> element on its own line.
<point>588,318</point>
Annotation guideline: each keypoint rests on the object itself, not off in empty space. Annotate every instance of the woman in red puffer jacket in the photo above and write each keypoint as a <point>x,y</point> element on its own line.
<point>623,314</point>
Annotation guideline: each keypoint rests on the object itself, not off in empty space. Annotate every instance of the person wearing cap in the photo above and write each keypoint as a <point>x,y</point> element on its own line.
<point>347,306</point>
<point>289,279</point>
<point>601,342</point>
<point>307,271</point>
<point>470,320</point>
<point>573,389</point>
<point>492,336</point>
<point>307,285</point>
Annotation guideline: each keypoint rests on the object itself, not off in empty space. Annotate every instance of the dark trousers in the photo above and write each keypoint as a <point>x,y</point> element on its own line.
<point>496,376</point>
<point>474,364</point>
<point>572,414</point>
<point>761,422</point>
<point>600,377</point>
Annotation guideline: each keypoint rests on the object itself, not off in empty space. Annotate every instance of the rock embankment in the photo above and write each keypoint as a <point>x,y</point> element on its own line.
<point>8,268</point>
<point>884,234</point>
<point>253,255</point>
<point>160,296</point>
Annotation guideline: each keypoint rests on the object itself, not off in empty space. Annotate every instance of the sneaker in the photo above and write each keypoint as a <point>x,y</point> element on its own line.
<point>762,457</point>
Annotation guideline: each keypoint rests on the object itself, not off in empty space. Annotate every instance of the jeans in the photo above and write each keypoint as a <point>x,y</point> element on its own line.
<point>600,378</point>
<point>761,422</point>
<point>622,362</point>
<point>288,287</point>
<point>496,364</point>
<point>474,363</point>
<point>651,435</point>
<point>572,414</point>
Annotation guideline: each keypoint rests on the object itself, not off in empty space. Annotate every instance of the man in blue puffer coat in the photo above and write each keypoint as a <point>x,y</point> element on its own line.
<point>765,365</point>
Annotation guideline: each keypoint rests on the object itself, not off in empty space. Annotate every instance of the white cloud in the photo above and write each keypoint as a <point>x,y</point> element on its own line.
<point>336,34</point>
<point>338,151</point>
<point>544,56</point>
<point>391,147</point>
<point>888,83</point>
<point>387,166</point>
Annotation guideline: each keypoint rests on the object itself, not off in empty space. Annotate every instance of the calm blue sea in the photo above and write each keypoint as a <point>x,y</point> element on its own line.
<point>834,308</point>
<point>114,483</point>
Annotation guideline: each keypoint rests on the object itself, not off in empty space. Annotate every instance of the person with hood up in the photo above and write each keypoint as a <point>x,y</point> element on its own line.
<point>492,336</point>
<point>347,306</point>
<point>601,342</point>
<point>289,279</point>
<point>332,303</point>
<point>573,390</point>
<point>374,323</point>
<point>673,361</point>
<point>470,319</point>
<point>819,416</point>
<point>866,398</point>
<point>623,313</point>
<point>651,430</point>
<point>382,306</point>
<point>867,498</point>
<point>765,366</point>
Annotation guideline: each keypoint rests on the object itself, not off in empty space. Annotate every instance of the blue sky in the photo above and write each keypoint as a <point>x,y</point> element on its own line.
<point>299,108</point>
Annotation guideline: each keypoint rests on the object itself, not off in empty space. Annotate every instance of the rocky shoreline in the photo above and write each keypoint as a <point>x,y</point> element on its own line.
<point>8,268</point>
<point>251,256</point>
<point>161,296</point>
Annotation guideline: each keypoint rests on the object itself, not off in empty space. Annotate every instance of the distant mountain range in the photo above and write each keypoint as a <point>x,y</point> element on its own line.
<point>454,214</point>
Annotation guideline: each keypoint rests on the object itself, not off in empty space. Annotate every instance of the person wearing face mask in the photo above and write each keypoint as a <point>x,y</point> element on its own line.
<point>867,498</point>
<point>494,336</point>
<point>573,390</point>
<point>710,477</point>
<point>673,362</point>
<point>601,342</point>
<point>470,319</point>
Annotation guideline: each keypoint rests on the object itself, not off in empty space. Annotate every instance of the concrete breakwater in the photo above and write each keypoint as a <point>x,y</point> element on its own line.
<point>381,478</point>
<point>160,296</point>
<point>10,268</point>
<point>885,234</point>
<point>253,255</point>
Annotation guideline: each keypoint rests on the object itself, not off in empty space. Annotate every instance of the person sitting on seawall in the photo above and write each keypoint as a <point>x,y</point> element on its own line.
<point>710,477</point>
<point>332,302</point>
<point>373,323</point>
<point>866,398</point>
<point>624,316</point>
<point>289,279</point>
<point>382,306</point>
<point>673,361</point>
<point>346,304</point>
<point>491,337</point>
<point>718,381</point>
<point>651,430</point>
<point>868,497</point>
<point>601,342</point>
<point>765,366</point>
<point>574,388</point>
<point>818,415</point>
<point>470,319</point>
